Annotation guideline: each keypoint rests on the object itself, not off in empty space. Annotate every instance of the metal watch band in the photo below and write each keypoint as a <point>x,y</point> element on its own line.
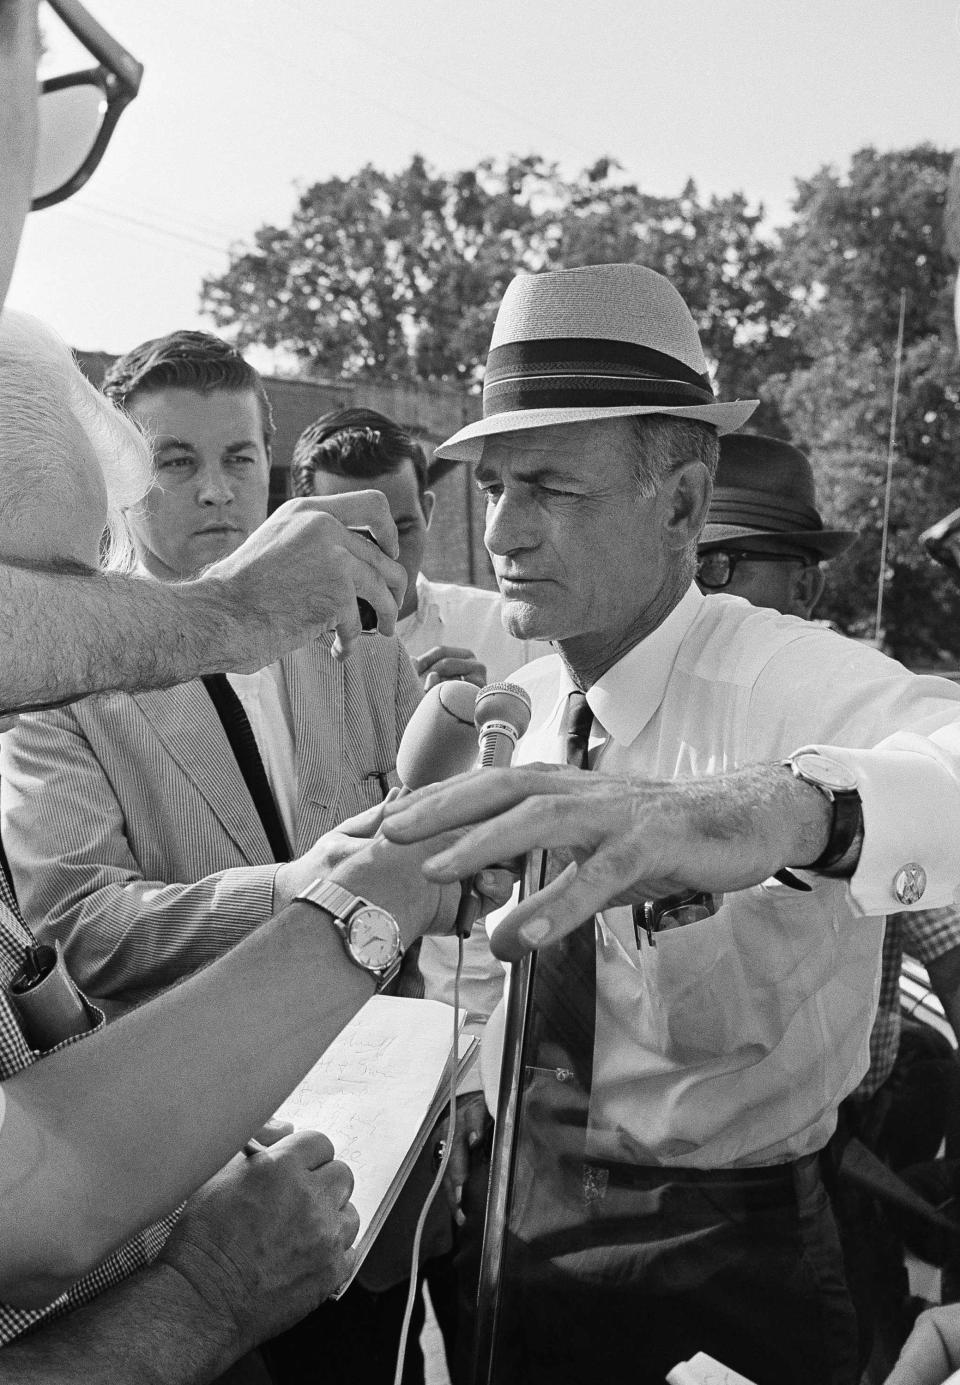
<point>342,905</point>
<point>334,898</point>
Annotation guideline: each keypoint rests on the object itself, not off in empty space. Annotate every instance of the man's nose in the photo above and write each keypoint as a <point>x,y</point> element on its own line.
<point>214,488</point>
<point>510,525</point>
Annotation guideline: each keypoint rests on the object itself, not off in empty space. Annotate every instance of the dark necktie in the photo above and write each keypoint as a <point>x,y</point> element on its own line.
<point>244,746</point>
<point>566,974</point>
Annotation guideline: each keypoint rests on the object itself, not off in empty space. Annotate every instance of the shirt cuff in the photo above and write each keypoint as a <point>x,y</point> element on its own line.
<point>911,824</point>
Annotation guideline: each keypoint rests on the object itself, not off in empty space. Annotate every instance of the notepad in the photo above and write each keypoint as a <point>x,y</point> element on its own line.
<point>704,1370</point>
<point>377,1093</point>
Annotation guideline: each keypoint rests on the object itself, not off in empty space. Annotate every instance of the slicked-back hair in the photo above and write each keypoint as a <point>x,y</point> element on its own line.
<point>662,442</point>
<point>44,393</point>
<point>187,360</point>
<point>356,443</point>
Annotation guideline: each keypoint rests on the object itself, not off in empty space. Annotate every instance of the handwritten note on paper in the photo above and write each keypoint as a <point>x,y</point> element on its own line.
<point>372,1089</point>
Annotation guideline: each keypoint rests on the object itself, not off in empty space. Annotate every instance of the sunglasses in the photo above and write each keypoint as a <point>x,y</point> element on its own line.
<point>716,567</point>
<point>78,112</point>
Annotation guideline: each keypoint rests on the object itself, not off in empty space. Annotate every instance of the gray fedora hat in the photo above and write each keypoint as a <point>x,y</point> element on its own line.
<point>598,342</point>
<point>764,498</point>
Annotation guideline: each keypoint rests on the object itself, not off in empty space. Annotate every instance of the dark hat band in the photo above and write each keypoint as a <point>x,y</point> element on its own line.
<point>760,510</point>
<point>581,372</point>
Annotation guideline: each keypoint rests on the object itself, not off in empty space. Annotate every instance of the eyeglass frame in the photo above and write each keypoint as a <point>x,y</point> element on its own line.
<point>653,916</point>
<point>739,555</point>
<point>118,77</point>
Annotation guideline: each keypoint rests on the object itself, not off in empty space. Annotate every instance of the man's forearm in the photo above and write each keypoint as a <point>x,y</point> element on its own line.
<point>153,1329</point>
<point>625,838</point>
<point>110,1134</point>
<point>180,1084</point>
<point>68,632</point>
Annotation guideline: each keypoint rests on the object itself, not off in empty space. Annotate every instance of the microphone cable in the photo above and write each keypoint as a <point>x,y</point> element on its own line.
<point>437,1183</point>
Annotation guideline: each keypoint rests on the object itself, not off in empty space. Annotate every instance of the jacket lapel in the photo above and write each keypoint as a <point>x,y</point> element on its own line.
<point>186,722</point>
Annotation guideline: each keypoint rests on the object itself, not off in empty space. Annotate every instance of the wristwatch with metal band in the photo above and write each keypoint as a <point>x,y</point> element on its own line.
<point>371,936</point>
<point>838,784</point>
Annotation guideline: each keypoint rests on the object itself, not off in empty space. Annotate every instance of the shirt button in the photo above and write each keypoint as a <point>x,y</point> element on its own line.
<point>909,883</point>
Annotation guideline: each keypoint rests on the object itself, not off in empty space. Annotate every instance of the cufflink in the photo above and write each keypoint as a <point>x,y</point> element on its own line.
<point>909,883</point>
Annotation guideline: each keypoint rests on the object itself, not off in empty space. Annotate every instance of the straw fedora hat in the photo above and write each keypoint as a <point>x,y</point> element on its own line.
<point>602,341</point>
<point>764,498</point>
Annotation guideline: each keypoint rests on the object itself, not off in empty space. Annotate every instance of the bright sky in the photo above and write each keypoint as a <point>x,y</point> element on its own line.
<point>244,99</point>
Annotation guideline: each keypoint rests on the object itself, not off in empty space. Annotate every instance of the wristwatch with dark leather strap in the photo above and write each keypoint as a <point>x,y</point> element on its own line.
<point>838,784</point>
<point>370,935</point>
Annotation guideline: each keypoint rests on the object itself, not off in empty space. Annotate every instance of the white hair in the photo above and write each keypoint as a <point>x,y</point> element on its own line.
<point>43,394</point>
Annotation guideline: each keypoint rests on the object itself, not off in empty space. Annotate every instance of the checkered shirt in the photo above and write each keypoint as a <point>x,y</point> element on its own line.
<point>15,1054</point>
<point>926,935</point>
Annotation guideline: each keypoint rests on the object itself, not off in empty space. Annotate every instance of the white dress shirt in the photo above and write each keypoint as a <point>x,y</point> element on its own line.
<point>263,696</point>
<point>468,617</point>
<point>733,1040</point>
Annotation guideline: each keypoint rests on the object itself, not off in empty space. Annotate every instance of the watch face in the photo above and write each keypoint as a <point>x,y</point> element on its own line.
<point>822,770</point>
<point>373,938</point>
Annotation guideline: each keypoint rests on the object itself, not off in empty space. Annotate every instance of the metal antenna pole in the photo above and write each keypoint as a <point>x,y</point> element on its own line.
<point>891,450</point>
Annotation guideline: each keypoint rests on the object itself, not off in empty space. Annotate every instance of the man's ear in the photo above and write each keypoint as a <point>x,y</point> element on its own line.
<point>427,502</point>
<point>686,498</point>
<point>808,588</point>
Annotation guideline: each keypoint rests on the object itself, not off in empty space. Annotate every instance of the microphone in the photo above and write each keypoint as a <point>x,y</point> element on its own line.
<point>440,739</point>
<point>502,715</point>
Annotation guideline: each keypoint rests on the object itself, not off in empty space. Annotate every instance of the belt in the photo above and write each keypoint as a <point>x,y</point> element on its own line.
<point>619,1175</point>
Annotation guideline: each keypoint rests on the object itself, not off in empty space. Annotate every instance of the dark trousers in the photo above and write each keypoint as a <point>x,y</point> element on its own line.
<point>655,1265</point>
<point>453,1278</point>
<point>903,1123</point>
<point>352,1341</point>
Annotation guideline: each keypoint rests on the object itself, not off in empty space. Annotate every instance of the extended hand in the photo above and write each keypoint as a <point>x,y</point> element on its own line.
<point>446,662</point>
<point>302,571</point>
<point>470,1125</point>
<point>392,876</point>
<point>621,839</point>
<point>268,1238</point>
<point>327,852</point>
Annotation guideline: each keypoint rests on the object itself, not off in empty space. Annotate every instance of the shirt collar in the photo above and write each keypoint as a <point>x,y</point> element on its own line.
<point>627,695</point>
<point>426,606</point>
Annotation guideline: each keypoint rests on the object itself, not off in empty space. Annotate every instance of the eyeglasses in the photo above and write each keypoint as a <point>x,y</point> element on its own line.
<point>716,567</point>
<point>673,911</point>
<point>77,113</point>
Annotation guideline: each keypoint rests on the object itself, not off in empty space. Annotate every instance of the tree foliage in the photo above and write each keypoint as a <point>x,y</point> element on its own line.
<point>399,275</point>
<point>393,275</point>
<point>856,242</point>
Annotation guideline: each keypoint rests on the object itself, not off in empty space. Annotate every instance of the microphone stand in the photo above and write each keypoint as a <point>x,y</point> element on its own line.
<point>504,1153</point>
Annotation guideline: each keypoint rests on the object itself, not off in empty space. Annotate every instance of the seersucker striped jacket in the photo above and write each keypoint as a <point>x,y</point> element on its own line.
<point>130,831</point>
